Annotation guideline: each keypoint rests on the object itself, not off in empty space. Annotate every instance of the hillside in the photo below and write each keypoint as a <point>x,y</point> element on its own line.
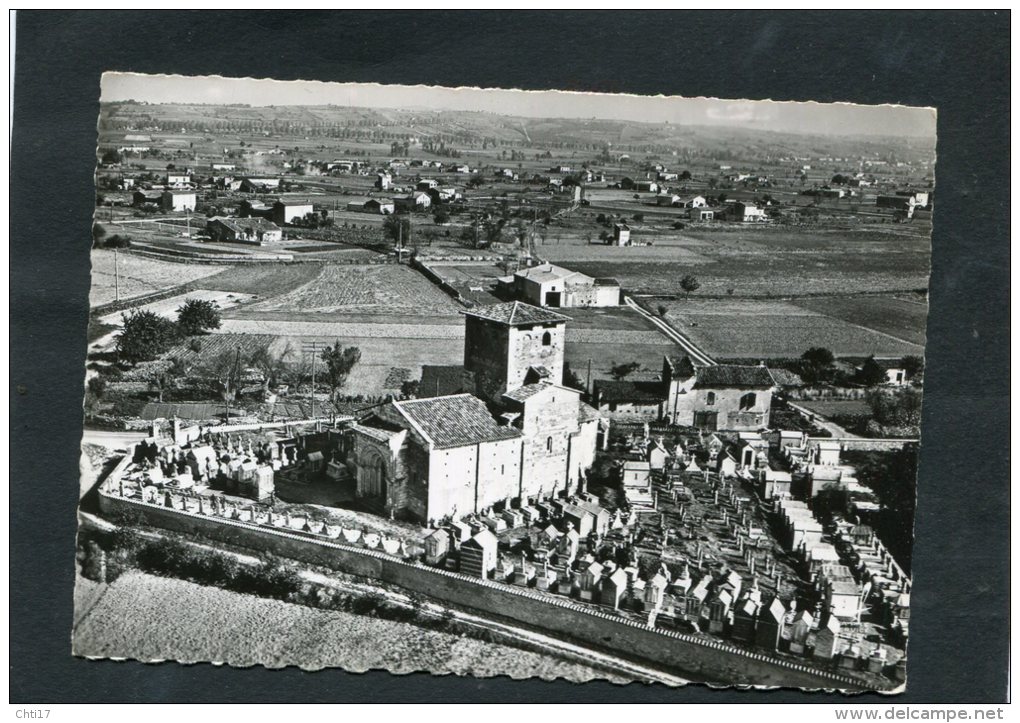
<point>482,129</point>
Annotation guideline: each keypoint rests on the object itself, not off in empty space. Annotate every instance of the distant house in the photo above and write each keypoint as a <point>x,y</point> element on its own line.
<point>224,167</point>
<point>554,286</point>
<point>178,201</point>
<point>259,185</point>
<point>742,212</point>
<point>646,186</point>
<point>383,181</point>
<point>701,213</point>
<point>140,198</point>
<point>177,179</point>
<point>621,235</point>
<point>667,199</point>
<point>692,202</point>
<point>383,206</point>
<point>286,212</point>
<point>416,201</point>
<point>247,230</point>
<point>624,400</point>
<point>427,184</point>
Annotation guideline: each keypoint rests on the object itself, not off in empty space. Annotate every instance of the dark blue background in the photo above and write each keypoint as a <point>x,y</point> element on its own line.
<point>958,62</point>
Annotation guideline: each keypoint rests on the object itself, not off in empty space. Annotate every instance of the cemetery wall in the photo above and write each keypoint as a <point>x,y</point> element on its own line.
<point>701,658</point>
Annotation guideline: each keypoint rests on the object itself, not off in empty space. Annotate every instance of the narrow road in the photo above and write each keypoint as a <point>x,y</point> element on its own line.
<point>112,439</point>
<point>696,354</point>
<point>831,427</point>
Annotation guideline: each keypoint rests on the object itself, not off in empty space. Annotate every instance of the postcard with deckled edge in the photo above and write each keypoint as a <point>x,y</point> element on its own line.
<point>498,382</point>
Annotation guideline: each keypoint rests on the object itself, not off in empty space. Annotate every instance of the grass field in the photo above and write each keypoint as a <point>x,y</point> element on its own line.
<point>148,618</point>
<point>901,318</point>
<point>838,407</point>
<point>138,275</point>
<point>762,262</point>
<point>775,329</point>
<point>387,289</point>
<point>265,280</point>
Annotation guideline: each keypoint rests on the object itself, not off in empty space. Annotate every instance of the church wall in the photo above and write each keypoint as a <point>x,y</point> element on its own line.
<point>499,472</point>
<point>451,481</point>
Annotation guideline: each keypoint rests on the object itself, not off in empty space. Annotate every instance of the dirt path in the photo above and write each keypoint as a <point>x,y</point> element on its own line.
<point>831,427</point>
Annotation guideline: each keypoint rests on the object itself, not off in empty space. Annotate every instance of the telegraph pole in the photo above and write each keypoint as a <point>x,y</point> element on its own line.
<point>116,272</point>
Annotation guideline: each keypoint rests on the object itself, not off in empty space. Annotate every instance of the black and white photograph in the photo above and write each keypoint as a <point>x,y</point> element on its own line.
<point>496,382</point>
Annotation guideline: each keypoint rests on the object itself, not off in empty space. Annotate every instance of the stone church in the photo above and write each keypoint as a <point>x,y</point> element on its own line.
<point>513,432</point>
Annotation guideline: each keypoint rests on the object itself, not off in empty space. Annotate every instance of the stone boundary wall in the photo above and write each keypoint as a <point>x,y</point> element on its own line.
<point>703,659</point>
<point>867,444</point>
<point>438,281</point>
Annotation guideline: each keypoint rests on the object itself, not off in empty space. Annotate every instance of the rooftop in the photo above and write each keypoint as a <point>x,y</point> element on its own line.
<point>244,224</point>
<point>623,391</point>
<point>454,421</point>
<point>546,272</point>
<point>515,313</point>
<point>732,375</point>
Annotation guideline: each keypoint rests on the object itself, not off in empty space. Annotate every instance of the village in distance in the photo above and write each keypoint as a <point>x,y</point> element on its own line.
<point>451,390</point>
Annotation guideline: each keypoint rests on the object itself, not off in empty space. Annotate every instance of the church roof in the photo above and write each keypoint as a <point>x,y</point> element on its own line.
<point>454,421</point>
<point>607,390</point>
<point>515,313</point>
<point>734,376</point>
<point>526,392</point>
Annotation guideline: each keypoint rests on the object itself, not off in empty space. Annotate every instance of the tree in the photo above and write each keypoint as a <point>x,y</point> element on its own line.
<point>475,180</point>
<point>685,176</point>
<point>816,365</point>
<point>197,316</point>
<point>164,375</point>
<point>339,363</point>
<point>145,336</point>
<point>271,366</point>
<point>871,373</point>
<point>98,233</point>
<point>409,388</point>
<point>397,228</point>
<point>111,157</point>
<point>689,284</point>
<point>621,371</point>
<point>440,215</point>
<point>912,365</point>
<point>819,356</point>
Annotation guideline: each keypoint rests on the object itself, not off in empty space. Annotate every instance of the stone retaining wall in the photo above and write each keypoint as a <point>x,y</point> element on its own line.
<point>701,658</point>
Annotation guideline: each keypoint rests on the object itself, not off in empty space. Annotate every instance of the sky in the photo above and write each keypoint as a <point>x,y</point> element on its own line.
<point>790,117</point>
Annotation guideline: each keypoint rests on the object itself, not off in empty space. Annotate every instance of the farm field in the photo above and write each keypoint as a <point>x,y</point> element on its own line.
<point>762,262</point>
<point>263,281</point>
<point>389,289</point>
<point>775,329</point>
<point>138,275</point>
<point>168,307</point>
<point>837,407</point>
<point>149,618</point>
<point>898,317</point>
